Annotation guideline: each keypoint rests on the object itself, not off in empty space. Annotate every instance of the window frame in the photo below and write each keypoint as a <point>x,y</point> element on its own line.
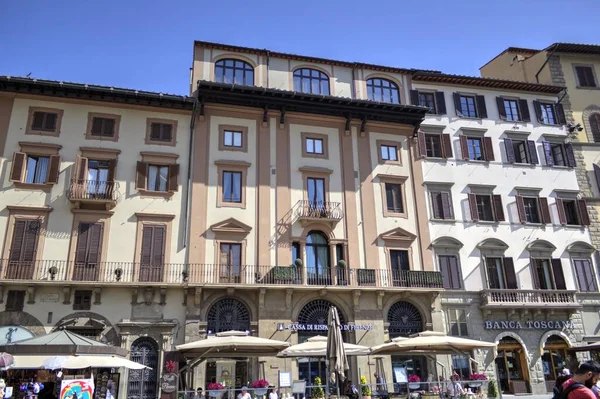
<point>449,322</point>
<point>236,129</point>
<point>593,272</point>
<point>248,67</point>
<point>152,219</point>
<point>20,304</point>
<point>440,155</point>
<point>315,173</point>
<point>43,132</point>
<point>157,181</point>
<point>88,131</point>
<point>518,109</point>
<point>434,110</point>
<point>398,180</point>
<point>390,144</point>
<point>552,106</point>
<point>576,75</point>
<point>315,136</point>
<point>563,153</point>
<point>474,97</point>
<point>481,148</point>
<point>538,211</point>
<point>370,89</point>
<point>434,191</point>
<point>533,267</point>
<point>157,159</point>
<point>323,77</point>
<point>232,166</point>
<point>36,150</point>
<point>491,204</point>
<point>524,142</point>
<point>148,139</point>
<point>83,295</point>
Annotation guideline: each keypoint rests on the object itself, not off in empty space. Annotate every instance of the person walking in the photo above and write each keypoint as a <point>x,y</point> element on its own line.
<point>581,384</point>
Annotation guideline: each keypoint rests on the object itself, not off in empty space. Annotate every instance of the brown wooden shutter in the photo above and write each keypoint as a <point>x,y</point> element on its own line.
<point>158,246</point>
<point>112,170</point>
<point>473,207</point>
<point>501,109</point>
<point>82,242</point>
<point>95,243</point>
<point>436,198</point>
<point>445,269</point>
<point>141,175</point>
<point>570,155</point>
<point>544,210</point>
<point>562,217</point>
<point>533,156</point>
<point>51,121</point>
<point>146,250</point>
<point>524,111</point>
<point>173,175</point>
<point>447,210</point>
<point>584,217</point>
<point>497,208</point>
<point>481,107</point>
<point>16,245</point>
<point>537,106</point>
<point>18,166</point>
<point>510,150</point>
<point>559,277</point>
<point>509,271</point>
<point>595,126</point>
<point>597,174</point>
<point>54,169</point>
<point>446,146</point>
<point>414,97</point>
<point>581,76</point>
<point>440,103</point>
<point>464,148</point>
<point>488,149</point>
<point>30,242</point>
<point>457,107</point>
<point>82,171</point>
<point>560,114</point>
<point>422,144</point>
<point>521,208</point>
<point>38,120</point>
<point>454,272</point>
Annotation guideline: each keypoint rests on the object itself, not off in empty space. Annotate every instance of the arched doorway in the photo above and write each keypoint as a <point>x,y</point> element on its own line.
<point>314,314</point>
<point>511,364</point>
<point>554,359</point>
<point>317,259</point>
<point>143,384</point>
<point>405,319</point>
<point>227,314</point>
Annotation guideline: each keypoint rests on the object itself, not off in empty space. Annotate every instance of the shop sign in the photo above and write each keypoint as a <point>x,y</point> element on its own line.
<point>168,383</point>
<point>529,325</point>
<point>49,298</point>
<point>322,327</point>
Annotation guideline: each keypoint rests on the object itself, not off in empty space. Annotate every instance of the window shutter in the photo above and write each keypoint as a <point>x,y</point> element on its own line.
<point>509,271</point>
<point>560,114</point>
<point>584,217</point>
<point>481,108</point>
<point>447,210</point>
<point>112,170</point>
<point>446,146</point>
<point>173,175</point>
<point>570,155</point>
<point>473,207</point>
<point>497,208</point>
<point>146,251</point>
<point>464,149</point>
<point>510,150</point>
<point>18,237</point>
<point>581,276</point>
<point>141,178</point>
<point>82,172</point>
<point>438,212</point>
<point>589,275</point>
<point>520,208</point>
<point>488,149</point>
<point>38,120</point>
<point>457,108</point>
<point>597,174</point>
<point>595,126</point>
<point>581,78</point>
<point>535,272</point>
<point>158,253</point>
<point>524,111</point>
<point>445,269</point>
<point>82,243</point>
<point>31,239</point>
<point>454,273</point>
<point>548,153</point>
<point>422,145</point>
<point>562,217</point>
<point>440,102</point>
<point>51,121</point>
<point>501,109</point>
<point>544,210</point>
<point>538,111</point>
<point>155,131</point>
<point>559,277</point>
<point>54,169</point>
<point>109,127</point>
<point>95,240</point>
<point>414,97</point>
<point>18,166</point>
<point>533,156</point>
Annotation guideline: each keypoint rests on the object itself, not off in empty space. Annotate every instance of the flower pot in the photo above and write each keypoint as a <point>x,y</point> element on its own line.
<point>414,385</point>
<point>260,391</point>
<point>216,393</point>
<point>475,383</point>
<point>365,397</point>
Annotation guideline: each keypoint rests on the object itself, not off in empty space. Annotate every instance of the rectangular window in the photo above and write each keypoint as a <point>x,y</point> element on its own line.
<point>571,212</point>
<point>457,322</point>
<point>232,187</point>
<point>500,273</point>
<point>548,116</point>
<point>585,275</point>
<point>468,109</point>
<point>543,274</point>
<point>15,301</point>
<point>462,366</point>
<point>511,108</point>
<point>230,262</point>
<point>103,127</point>
<point>158,178</point>
<point>450,272</point>
<point>315,190</point>
<point>399,260</point>
<point>393,197</point>
<point>232,139</point>
<point>37,169</point>
<point>389,153</point>
<point>532,213</point>
<point>558,154</point>
<point>45,121</point>
<point>82,300</point>
<point>484,207</point>
<point>162,132</point>
<point>433,144</point>
<point>520,148</point>
<point>475,149</point>
<point>441,204</point>
<point>314,146</point>
<point>585,76</point>
<point>427,100</point>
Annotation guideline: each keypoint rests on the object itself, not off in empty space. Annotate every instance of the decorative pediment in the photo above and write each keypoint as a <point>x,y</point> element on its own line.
<point>541,245</point>
<point>581,247</point>
<point>447,242</point>
<point>492,244</point>
<point>230,226</point>
<point>398,235</point>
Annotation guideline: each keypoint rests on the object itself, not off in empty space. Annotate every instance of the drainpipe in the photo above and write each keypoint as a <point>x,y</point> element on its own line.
<point>268,62</point>
<point>537,78</point>
<point>353,84</point>
<point>189,177</point>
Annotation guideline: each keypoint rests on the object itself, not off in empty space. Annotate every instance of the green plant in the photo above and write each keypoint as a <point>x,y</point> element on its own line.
<point>342,264</point>
<point>283,273</point>
<point>317,392</point>
<point>493,389</point>
<point>364,388</point>
<point>298,262</point>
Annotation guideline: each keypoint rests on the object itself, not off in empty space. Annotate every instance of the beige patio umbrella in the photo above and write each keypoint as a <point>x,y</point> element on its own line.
<point>430,342</point>
<point>336,355</point>
<point>317,347</point>
<point>233,344</point>
<point>73,362</point>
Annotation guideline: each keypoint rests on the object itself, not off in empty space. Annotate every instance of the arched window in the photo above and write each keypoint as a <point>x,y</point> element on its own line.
<point>317,258</point>
<point>234,71</point>
<point>315,313</point>
<point>311,81</point>
<point>405,319</point>
<point>595,126</point>
<point>383,90</point>
<point>554,357</point>
<point>228,314</point>
<point>143,384</point>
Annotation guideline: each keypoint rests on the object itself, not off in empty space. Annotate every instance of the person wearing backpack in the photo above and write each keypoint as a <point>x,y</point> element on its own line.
<point>580,385</point>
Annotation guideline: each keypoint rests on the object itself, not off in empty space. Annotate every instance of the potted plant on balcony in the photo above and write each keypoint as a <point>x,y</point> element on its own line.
<point>215,390</point>
<point>53,272</point>
<point>414,381</point>
<point>283,274</point>
<point>260,387</point>
<point>118,273</point>
<point>317,391</point>
<point>365,390</point>
<point>476,379</point>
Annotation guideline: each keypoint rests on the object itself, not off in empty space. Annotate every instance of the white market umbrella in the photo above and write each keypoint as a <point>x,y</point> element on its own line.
<point>76,362</point>
<point>430,342</point>
<point>233,344</point>
<point>317,347</point>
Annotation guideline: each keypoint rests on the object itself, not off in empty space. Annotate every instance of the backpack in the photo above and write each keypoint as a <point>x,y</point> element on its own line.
<point>561,393</point>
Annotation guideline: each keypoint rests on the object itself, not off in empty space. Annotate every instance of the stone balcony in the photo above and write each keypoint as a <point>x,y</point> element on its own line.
<point>531,299</point>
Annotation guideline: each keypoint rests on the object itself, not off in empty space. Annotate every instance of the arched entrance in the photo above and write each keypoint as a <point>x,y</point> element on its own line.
<point>317,259</point>
<point>227,314</point>
<point>314,313</point>
<point>405,319</point>
<point>143,384</point>
<point>511,364</point>
<point>554,359</point>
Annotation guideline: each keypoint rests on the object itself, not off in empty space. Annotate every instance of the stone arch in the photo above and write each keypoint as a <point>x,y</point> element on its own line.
<point>587,113</point>
<point>109,333</point>
<point>146,351</point>
<point>343,309</point>
<point>211,301</point>
<point>417,302</point>
<point>404,319</point>
<point>227,314</point>
<point>319,227</point>
<point>24,319</point>
<point>518,339</point>
<point>558,333</point>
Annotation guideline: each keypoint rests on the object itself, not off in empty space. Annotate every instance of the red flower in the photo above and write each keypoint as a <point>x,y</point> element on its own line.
<point>260,384</point>
<point>414,378</point>
<point>170,366</point>
<point>215,386</point>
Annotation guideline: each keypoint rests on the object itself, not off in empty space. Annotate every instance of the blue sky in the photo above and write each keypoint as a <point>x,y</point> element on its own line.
<point>148,44</point>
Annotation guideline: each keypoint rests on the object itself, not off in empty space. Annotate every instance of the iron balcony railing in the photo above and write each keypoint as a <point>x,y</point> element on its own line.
<point>529,298</point>
<point>319,210</point>
<point>215,274</point>
<point>93,190</point>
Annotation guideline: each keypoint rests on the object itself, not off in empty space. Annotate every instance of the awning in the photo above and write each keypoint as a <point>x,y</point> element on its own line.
<point>75,362</point>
